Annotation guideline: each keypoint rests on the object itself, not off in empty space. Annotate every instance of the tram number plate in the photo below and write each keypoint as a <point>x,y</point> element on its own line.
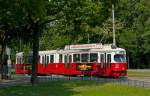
<point>84,67</point>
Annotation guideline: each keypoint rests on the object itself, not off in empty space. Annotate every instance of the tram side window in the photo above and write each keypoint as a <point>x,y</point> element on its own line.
<point>19,60</point>
<point>47,59</point>
<point>76,57</point>
<point>65,59</point>
<point>84,57</point>
<point>30,59</point>
<point>93,57</point>
<point>120,58</point>
<point>51,58</point>
<point>60,58</point>
<point>43,60</point>
<point>70,58</point>
<point>39,58</point>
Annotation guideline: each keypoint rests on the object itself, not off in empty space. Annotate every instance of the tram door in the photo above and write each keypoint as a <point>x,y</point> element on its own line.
<point>45,60</point>
<point>103,63</point>
<point>103,60</point>
<point>66,60</point>
<point>108,60</point>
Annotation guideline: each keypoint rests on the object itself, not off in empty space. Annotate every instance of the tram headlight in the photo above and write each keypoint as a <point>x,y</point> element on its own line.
<point>117,66</point>
<point>123,69</point>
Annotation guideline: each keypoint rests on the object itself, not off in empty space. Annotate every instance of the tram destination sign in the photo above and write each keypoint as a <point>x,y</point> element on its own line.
<point>84,46</point>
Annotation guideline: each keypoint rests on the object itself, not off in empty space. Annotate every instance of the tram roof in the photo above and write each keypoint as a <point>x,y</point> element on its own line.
<point>97,47</point>
<point>62,51</point>
<point>92,47</point>
<point>19,54</point>
<point>95,50</point>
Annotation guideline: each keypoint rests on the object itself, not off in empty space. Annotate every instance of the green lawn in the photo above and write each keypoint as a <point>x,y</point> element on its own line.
<point>139,73</point>
<point>74,88</point>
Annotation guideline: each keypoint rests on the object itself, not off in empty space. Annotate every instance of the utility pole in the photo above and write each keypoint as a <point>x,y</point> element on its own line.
<point>88,38</point>
<point>113,21</point>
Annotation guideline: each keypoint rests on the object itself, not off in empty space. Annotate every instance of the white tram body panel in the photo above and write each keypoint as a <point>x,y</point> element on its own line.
<point>105,60</point>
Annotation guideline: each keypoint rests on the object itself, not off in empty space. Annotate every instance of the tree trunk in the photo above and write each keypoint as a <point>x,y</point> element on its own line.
<point>34,78</point>
<point>2,61</point>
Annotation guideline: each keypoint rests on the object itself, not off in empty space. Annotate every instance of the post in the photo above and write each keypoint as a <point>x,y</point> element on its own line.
<point>8,52</point>
<point>128,63</point>
<point>88,38</point>
<point>9,67</point>
<point>113,21</point>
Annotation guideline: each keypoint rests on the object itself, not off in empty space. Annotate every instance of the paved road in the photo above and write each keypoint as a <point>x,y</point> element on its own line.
<point>13,82</point>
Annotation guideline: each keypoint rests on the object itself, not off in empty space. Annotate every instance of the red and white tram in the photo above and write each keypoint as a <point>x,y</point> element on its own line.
<point>84,59</point>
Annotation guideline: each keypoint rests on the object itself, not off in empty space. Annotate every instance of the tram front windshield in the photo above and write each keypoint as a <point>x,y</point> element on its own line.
<point>120,58</point>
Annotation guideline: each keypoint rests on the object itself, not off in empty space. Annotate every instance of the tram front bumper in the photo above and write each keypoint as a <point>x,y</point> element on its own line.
<point>118,73</point>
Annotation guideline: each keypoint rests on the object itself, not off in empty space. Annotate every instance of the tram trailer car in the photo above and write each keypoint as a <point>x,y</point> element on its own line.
<point>84,59</point>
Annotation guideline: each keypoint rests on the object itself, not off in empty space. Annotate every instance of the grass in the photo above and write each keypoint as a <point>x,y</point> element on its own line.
<point>139,73</point>
<point>74,88</point>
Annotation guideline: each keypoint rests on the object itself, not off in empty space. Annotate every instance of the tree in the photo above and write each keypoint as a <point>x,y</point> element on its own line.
<point>134,16</point>
<point>18,16</point>
<point>7,31</point>
<point>80,18</point>
<point>35,15</point>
